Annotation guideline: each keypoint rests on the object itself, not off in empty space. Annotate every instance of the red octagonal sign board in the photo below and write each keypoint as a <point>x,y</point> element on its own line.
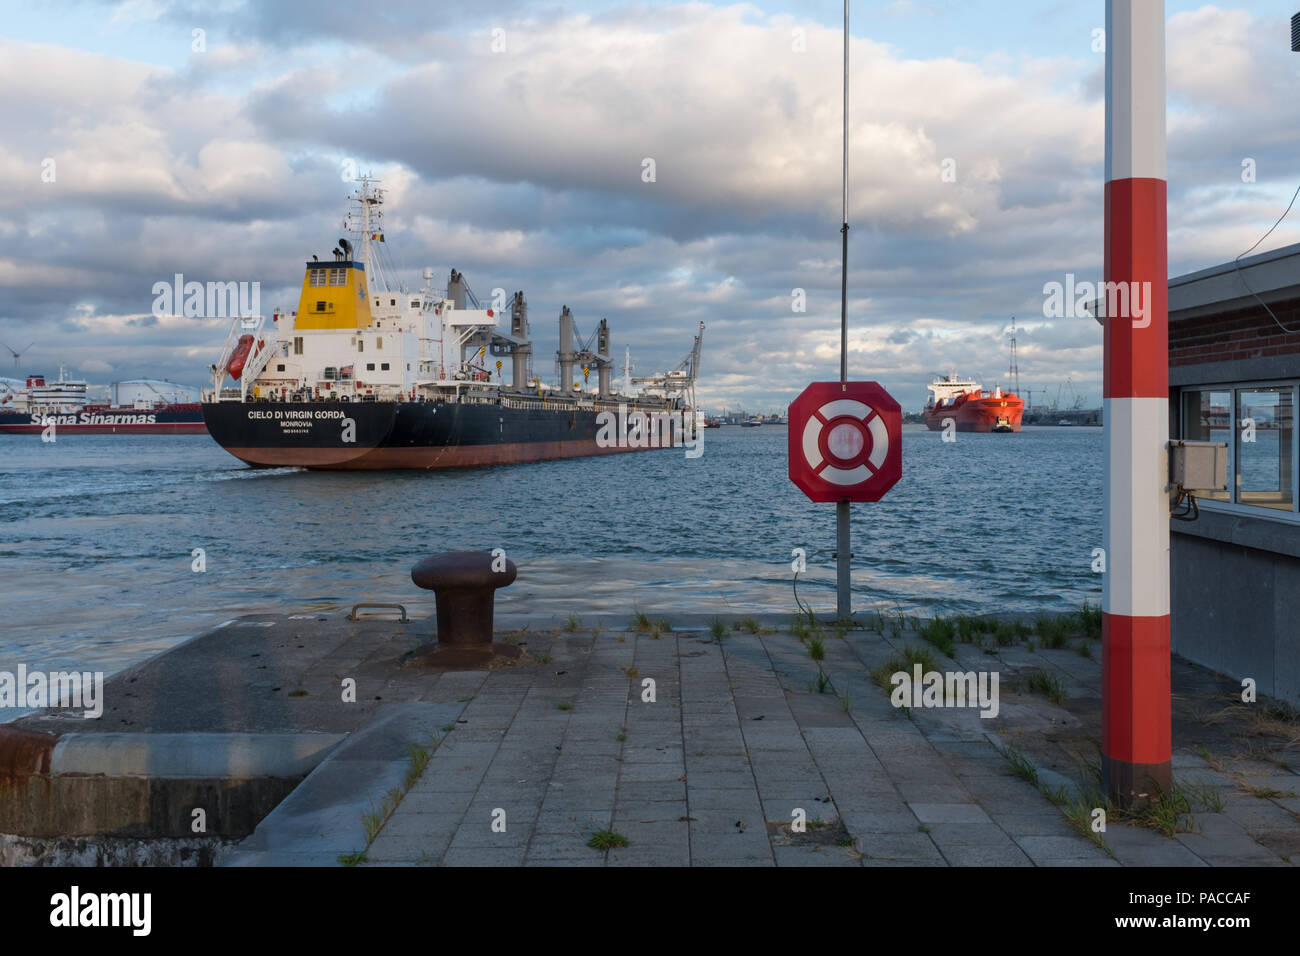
<point>846,441</point>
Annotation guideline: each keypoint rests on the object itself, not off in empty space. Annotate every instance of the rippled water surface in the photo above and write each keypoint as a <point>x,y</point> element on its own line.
<point>97,533</point>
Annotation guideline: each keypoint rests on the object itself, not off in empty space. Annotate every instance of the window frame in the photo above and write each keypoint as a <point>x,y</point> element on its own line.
<point>1233,506</point>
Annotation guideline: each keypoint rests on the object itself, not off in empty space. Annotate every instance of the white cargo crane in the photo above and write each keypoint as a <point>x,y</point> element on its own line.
<point>679,381</point>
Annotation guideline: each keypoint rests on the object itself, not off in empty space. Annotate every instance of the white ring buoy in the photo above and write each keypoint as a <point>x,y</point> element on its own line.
<point>855,427</point>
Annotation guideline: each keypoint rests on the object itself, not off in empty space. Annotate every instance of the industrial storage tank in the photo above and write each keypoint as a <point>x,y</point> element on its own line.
<point>150,391</point>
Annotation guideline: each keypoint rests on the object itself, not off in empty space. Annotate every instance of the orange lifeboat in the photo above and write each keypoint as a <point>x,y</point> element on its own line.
<point>239,357</point>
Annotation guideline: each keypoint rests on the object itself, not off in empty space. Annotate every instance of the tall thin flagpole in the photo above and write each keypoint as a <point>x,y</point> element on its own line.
<point>843,597</point>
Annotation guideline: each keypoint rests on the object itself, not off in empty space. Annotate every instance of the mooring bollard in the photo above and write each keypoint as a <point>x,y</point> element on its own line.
<point>464,584</point>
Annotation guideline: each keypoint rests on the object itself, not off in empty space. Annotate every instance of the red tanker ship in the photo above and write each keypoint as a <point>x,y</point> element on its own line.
<point>970,408</point>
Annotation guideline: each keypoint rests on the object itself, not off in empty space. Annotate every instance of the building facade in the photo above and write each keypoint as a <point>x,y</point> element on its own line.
<point>1234,371</point>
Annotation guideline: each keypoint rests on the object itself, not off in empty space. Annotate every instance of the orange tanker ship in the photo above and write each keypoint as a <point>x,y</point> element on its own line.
<point>970,408</point>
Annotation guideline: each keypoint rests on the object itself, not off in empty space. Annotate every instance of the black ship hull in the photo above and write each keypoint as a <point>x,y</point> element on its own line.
<point>399,435</point>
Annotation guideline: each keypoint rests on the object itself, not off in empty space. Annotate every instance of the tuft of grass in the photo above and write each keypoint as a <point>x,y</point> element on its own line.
<point>969,628</point>
<point>662,624</point>
<point>800,627</point>
<point>1005,633</point>
<point>542,658</point>
<point>1089,619</point>
<point>572,623</point>
<point>1044,685</point>
<point>1078,813</point>
<point>642,621</point>
<point>631,671</point>
<point>940,632</point>
<point>1053,631</point>
<point>747,624</point>
<point>419,755</point>
<point>622,735</point>
<point>823,681</point>
<point>846,702</point>
<point>564,705</point>
<point>373,820</point>
<point>1021,765</point>
<point>718,629</point>
<point>606,840</point>
<point>816,649</point>
<point>1209,798</point>
<point>846,841</point>
<point>298,692</point>
<point>353,858</point>
<point>1084,648</point>
<point>1165,812</point>
<point>910,656</point>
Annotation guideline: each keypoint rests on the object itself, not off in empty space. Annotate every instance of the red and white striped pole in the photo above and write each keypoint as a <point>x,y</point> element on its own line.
<point>1136,734</point>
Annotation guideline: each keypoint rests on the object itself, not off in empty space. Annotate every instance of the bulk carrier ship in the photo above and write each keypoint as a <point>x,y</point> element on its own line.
<point>366,375</point>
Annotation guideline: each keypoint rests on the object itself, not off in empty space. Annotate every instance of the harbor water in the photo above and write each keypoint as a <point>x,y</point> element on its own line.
<point>113,548</point>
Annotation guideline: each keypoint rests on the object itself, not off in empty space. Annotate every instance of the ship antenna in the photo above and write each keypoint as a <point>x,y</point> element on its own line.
<point>1014,371</point>
<point>844,229</point>
<point>843,555</point>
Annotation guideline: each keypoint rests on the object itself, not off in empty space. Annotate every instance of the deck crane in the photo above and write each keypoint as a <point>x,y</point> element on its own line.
<point>680,380</point>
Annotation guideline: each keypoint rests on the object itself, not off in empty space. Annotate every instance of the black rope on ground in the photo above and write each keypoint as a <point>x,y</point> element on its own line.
<point>802,608</point>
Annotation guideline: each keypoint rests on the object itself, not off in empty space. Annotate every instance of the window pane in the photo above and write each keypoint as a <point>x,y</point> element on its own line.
<point>1207,416</point>
<point>1264,448</point>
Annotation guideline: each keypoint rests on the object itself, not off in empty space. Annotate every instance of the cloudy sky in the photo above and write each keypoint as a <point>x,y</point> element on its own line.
<point>211,139</point>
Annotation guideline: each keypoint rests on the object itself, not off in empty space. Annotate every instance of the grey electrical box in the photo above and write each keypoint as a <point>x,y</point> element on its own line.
<point>1198,465</point>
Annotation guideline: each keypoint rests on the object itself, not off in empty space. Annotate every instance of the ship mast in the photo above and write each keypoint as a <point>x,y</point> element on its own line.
<point>1014,371</point>
<point>365,221</point>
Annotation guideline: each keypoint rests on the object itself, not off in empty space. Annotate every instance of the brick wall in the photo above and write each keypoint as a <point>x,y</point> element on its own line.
<point>1242,334</point>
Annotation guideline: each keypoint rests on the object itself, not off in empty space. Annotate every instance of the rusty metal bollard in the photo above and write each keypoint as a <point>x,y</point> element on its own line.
<point>464,586</point>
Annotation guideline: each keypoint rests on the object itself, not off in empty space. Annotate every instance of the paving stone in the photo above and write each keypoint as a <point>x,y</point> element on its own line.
<point>989,854</point>
<point>967,812</point>
<point>1135,846</point>
<point>967,834</point>
<point>1047,850</point>
<point>815,856</point>
<point>911,846</point>
<point>484,856</point>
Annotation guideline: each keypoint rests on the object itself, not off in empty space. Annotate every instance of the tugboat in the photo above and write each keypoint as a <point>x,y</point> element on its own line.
<point>965,403</point>
<point>368,375</point>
